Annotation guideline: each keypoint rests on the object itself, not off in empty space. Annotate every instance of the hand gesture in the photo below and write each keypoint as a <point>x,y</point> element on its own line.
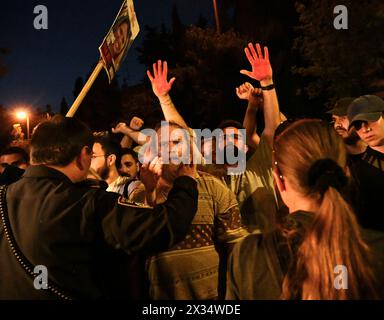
<point>187,170</point>
<point>160,85</point>
<point>247,92</point>
<point>136,123</point>
<point>261,67</point>
<point>120,128</point>
<point>150,173</point>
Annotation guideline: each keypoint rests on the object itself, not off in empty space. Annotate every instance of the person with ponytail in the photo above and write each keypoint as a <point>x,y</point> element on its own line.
<point>318,251</point>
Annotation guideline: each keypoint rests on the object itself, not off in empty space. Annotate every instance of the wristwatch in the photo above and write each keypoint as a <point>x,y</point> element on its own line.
<point>269,87</point>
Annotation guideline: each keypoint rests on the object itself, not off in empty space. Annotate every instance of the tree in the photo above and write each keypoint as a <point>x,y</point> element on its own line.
<point>206,66</point>
<point>338,63</point>
<point>63,107</point>
<point>207,76</point>
<point>101,108</point>
<point>5,128</point>
<point>3,68</point>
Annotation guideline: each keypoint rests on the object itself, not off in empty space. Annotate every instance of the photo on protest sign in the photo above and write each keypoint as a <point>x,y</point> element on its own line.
<point>119,39</point>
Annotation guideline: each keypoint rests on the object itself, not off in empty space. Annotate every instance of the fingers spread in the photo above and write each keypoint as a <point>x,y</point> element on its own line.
<point>266,53</point>
<point>159,68</point>
<point>254,54</point>
<point>165,69</point>
<point>155,74</point>
<point>172,81</point>
<point>258,48</point>
<point>249,56</point>
<point>149,75</point>
<point>246,72</point>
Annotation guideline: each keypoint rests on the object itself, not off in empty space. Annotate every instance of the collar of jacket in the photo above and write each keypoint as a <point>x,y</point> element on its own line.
<point>304,218</point>
<point>42,171</point>
<point>300,221</point>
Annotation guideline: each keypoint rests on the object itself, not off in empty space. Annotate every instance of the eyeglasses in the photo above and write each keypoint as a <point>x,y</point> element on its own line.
<point>93,156</point>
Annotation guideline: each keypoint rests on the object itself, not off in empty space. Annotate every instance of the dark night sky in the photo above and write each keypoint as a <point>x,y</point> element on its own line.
<point>44,64</point>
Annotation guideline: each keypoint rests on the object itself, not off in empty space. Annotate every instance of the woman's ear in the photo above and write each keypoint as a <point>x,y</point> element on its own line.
<point>279,181</point>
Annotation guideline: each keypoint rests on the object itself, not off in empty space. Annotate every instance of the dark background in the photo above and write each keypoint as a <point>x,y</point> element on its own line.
<point>314,64</point>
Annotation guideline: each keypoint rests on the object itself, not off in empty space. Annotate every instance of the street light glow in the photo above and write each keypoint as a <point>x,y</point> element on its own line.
<point>21,114</point>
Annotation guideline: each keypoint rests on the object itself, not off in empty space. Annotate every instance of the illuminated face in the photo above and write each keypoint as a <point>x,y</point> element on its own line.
<point>233,136</point>
<point>209,148</point>
<point>13,159</point>
<point>129,166</point>
<point>174,146</point>
<point>99,161</point>
<point>173,142</point>
<point>121,38</point>
<point>371,132</point>
<point>341,124</point>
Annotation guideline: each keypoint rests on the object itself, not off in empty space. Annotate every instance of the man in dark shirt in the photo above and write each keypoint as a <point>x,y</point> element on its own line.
<point>354,145</point>
<point>366,115</point>
<point>13,156</point>
<point>50,219</point>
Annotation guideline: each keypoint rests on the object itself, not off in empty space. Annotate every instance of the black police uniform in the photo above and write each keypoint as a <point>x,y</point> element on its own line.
<point>73,231</point>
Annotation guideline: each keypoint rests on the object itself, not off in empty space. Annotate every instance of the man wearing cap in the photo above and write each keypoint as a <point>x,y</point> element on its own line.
<point>366,115</point>
<point>354,145</point>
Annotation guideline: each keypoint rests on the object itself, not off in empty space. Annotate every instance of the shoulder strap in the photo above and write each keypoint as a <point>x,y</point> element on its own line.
<point>23,261</point>
<point>125,192</point>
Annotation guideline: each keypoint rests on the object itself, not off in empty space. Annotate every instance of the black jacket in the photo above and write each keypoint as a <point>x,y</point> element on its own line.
<point>73,231</point>
<point>10,175</point>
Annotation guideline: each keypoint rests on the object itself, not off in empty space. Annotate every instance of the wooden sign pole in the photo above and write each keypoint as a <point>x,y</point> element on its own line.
<point>71,112</point>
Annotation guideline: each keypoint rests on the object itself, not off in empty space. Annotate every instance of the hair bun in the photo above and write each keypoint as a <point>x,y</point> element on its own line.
<point>325,173</point>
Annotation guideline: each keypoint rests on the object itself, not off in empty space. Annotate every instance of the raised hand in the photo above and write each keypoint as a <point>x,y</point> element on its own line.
<point>150,173</point>
<point>160,84</point>
<point>187,170</point>
<point>136,123</point>
<point>244,91</point>
<point>120,128</point>
<point>247,92</point>
<point>261,67</point>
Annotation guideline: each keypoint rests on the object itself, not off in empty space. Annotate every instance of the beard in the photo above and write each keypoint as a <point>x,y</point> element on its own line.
<point>103,172</point>
<point>169,171</point>
<point>125,174</point>
<point>235,153</point>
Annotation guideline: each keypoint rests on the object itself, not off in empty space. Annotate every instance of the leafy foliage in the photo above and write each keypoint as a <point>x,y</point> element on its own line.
<point>338,63</point>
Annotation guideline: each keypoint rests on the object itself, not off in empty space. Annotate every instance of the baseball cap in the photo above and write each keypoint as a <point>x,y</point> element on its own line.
<point>341,106</point>
<point>365,108</point>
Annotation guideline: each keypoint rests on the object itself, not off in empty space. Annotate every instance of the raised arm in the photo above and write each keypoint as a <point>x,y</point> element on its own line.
<point>262,71</point>
<point>132,131</point>
<point>254,97</point>
<point>161,87</point>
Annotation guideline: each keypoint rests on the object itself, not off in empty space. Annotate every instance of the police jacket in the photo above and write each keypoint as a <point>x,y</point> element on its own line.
<point>79,234</point>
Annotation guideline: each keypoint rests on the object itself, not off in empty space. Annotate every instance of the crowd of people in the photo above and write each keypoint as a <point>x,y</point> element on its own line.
<point>292,212</point>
